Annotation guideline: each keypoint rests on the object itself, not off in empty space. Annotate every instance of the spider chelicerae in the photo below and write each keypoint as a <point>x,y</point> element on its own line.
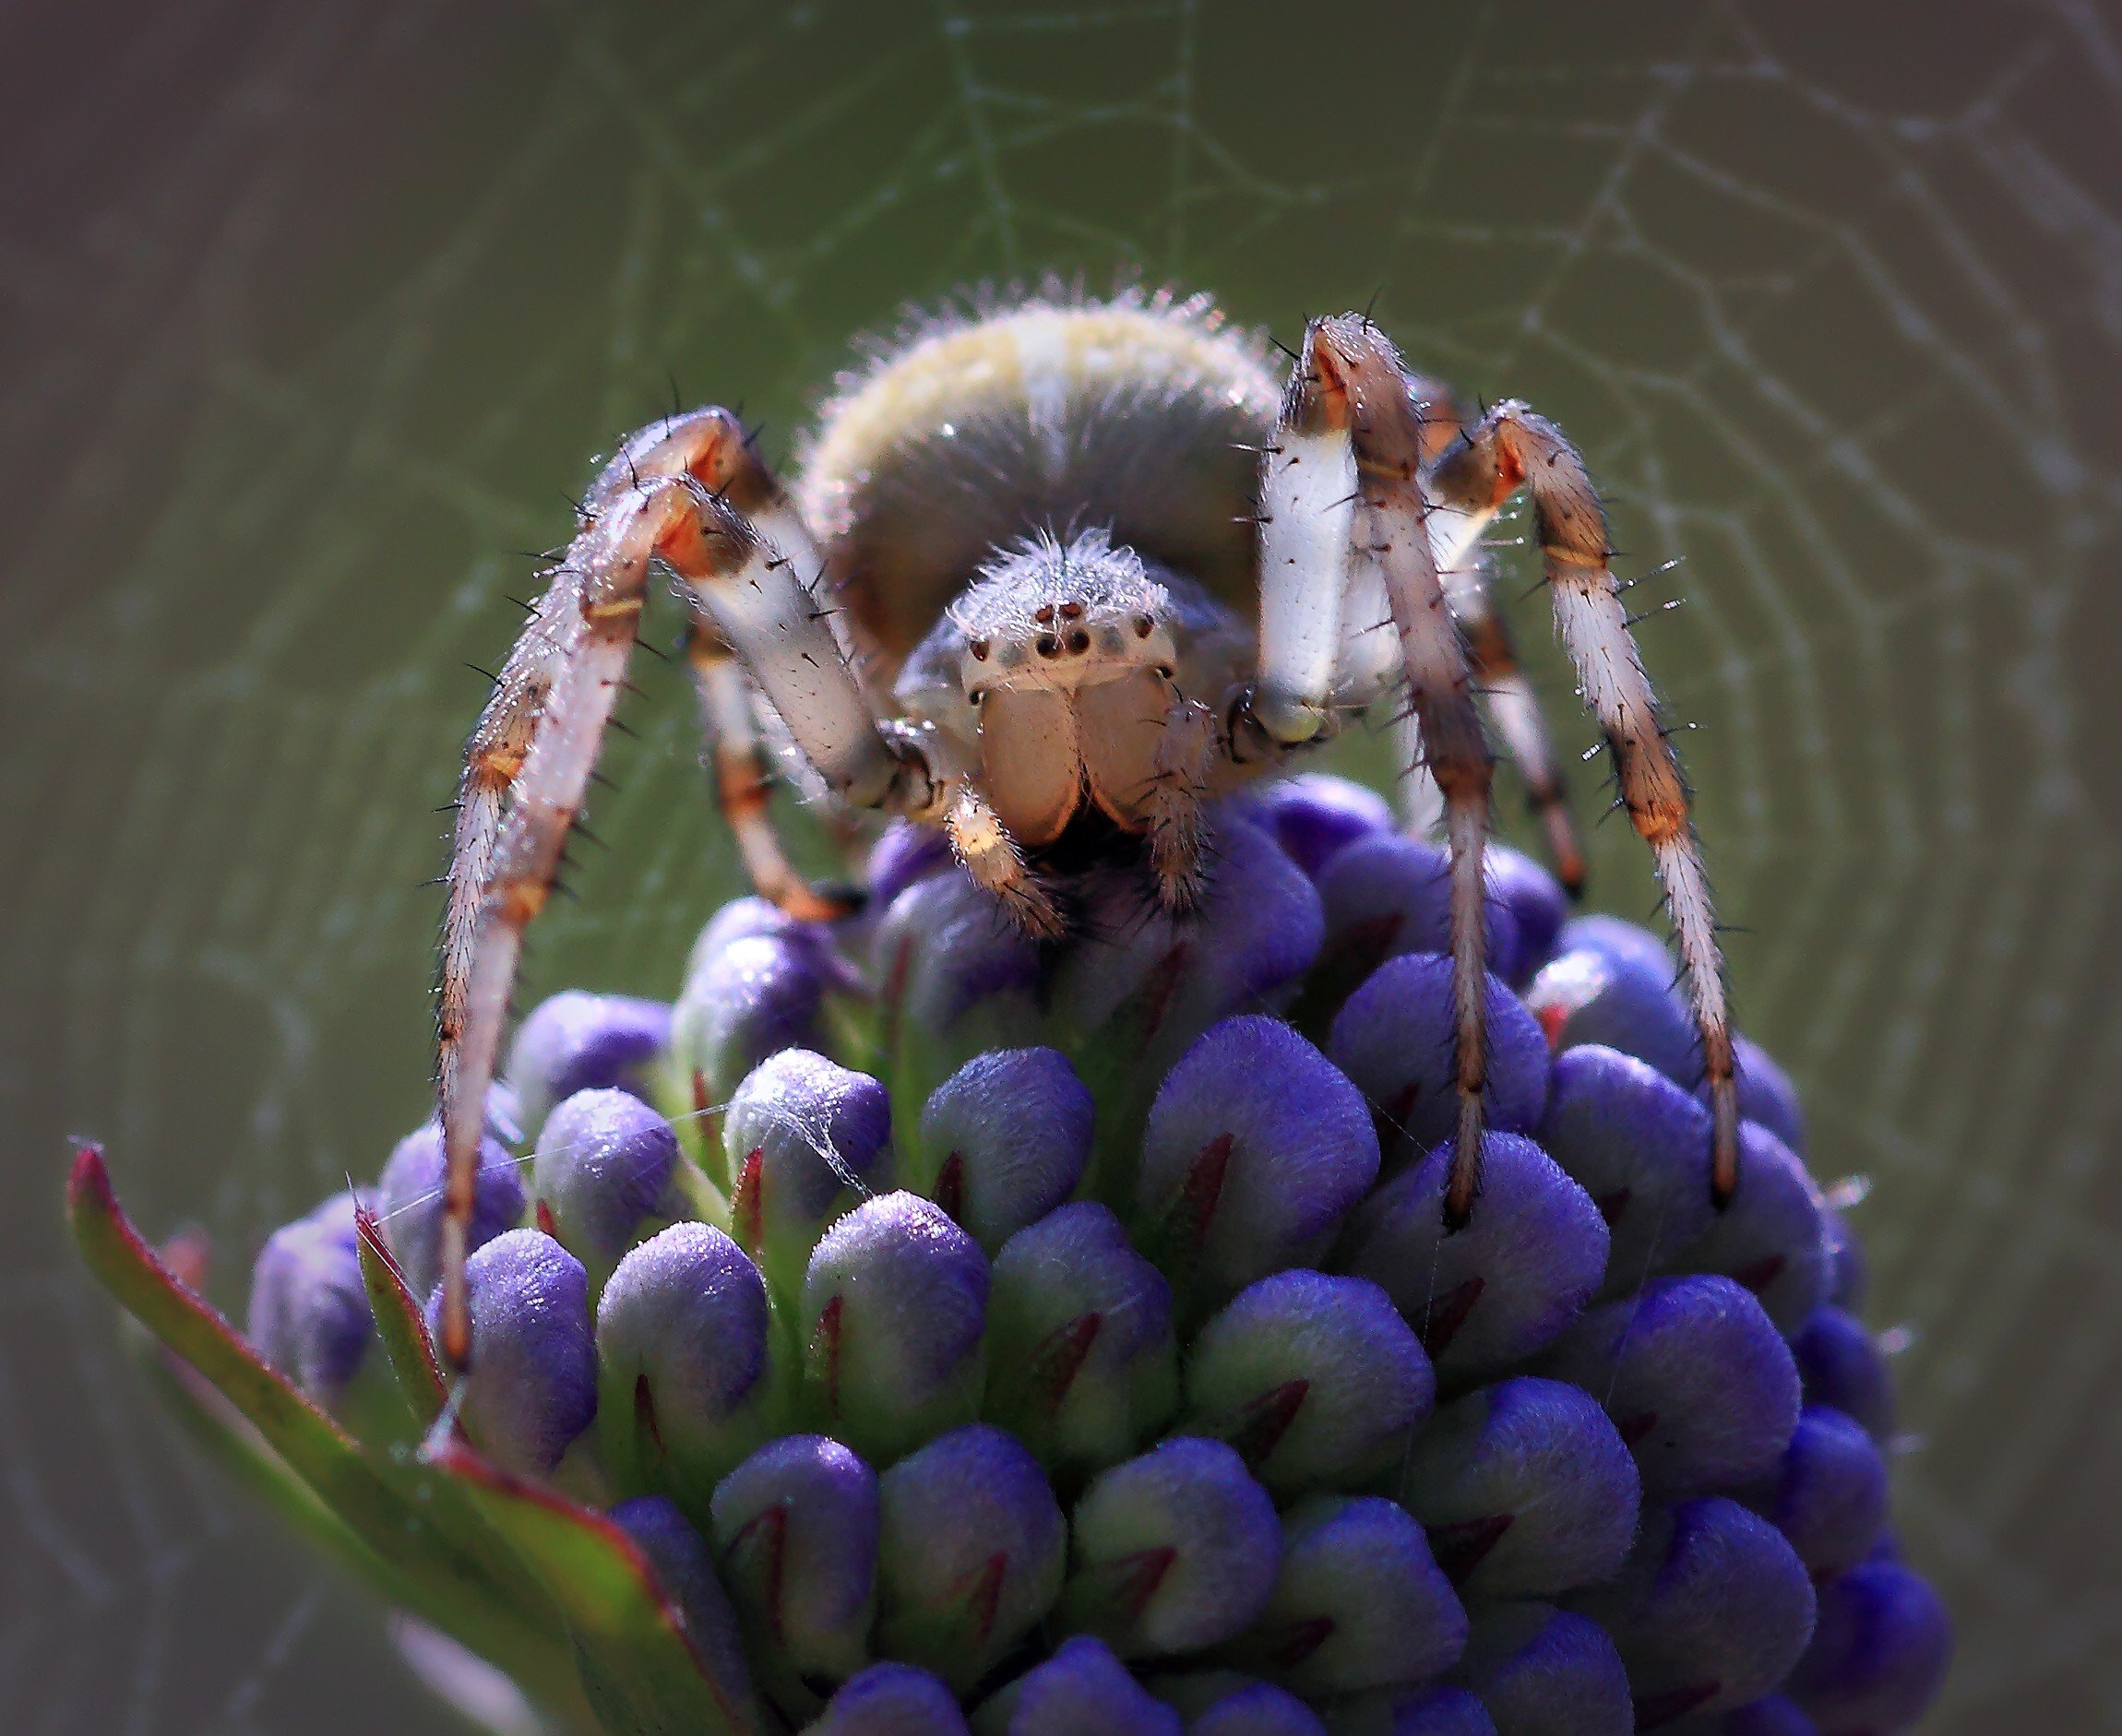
<point>1240,567</point>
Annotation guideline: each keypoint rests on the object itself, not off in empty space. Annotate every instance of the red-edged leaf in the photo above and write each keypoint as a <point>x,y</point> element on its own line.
<point>640,1667</point>
<point>399,1321</point>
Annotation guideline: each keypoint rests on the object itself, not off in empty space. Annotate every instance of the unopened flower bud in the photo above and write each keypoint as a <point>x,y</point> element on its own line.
<point>685,1387</point>
<point>1771,1716</point>
<point>1615,938</point>
<point>942,948</point>
<point>1396,1039</point>
<point>685,1574</point>
<point>1496,1290</point>
<point>1640,1146</point>
<point>1766,1093</point>
<point>905,851</point>
<point>1387,893</point>
<point>1315,1380</point>
<point>309,1314</point>
<point>1619,999</point>
<point>1003,1141</point>
<point>1543,1671</point>
<point>1841,1365</point>
<point>1537,905</point>
<point>750,999</point>
<point>804,1139</point>
<point>894,1306</point>
<point>1525,1489</point>
<point>1082,1690</point>
<point>1316,816</point>
<point>1773,1237</point>
<point>796,1530</point>
<point>1358,1604</point>
<point>533,1386</point>
<point>606,1174</point>
<point>575,1041</point>
<point>891,1700</point>
<point>1259,1708</point>
<point>1849,1273</point>
<point>1082,1363</point>
<point>1879,1652</point>
<point>1829,1496</point>
<point>1710,1612</point>
<point>1426,1711</point>
<point>1174,1550</point>
<point>409,1202</point>
<point>1255,1147</point>
<point>973,1553</point>
<point>1695,1377</point>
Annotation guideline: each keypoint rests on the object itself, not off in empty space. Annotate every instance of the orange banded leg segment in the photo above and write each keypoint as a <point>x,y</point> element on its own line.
<point>1511,447</point>
<point>737,761</point>
<point>1350,356</point>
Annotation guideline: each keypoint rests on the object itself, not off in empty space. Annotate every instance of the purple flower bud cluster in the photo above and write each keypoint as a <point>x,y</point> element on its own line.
<point>978,1337</point>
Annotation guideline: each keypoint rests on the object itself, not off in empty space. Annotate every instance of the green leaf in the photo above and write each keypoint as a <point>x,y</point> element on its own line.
<point>640,1668</point>
<point>399,1321</point>
<point>434,1551</point>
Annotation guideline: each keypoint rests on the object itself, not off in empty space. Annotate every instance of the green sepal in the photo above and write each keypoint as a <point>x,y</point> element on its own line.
<point>399,1321</point>
<point>640,1668</point>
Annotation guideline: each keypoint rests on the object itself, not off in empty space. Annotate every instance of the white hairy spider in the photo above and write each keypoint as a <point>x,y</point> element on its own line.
<point>1062,571</point>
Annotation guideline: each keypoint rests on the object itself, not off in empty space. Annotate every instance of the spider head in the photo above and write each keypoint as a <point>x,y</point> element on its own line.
<point>1058,617</point>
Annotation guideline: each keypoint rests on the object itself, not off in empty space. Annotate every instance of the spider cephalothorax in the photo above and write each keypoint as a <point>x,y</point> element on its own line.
<point>1254,565</point>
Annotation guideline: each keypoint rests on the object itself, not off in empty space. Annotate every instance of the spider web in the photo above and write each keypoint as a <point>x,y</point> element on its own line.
<point>313,318</point>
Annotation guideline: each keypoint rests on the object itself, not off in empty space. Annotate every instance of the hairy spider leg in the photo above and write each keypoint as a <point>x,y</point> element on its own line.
<point>567,684</point>
<point>1511,447</point>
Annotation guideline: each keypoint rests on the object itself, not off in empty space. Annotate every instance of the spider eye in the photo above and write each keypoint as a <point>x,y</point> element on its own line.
<point>1079,641</point>
<point>1043,613</point>
<point>1046,645</point>
<point>979,648</point>
<point>1144,626</point>
<point>976,695</point>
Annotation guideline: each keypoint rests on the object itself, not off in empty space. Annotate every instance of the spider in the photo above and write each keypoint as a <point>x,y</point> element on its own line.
<point>908,626</point>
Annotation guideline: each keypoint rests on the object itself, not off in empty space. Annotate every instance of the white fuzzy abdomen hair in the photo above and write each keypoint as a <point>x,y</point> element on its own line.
<point>1133,413</point>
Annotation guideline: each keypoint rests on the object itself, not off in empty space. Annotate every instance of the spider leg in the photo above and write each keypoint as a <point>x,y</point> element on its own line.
<point>1349,416</point>
<point>1510,447</point>
<point>982,844</point>
<point>654,501</point>
<point>1187,748</point>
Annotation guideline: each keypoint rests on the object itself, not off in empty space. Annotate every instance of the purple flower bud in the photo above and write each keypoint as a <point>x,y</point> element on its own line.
<point>1841,1366</point>
<point>1614,938</point>
<point>1849,1274</point>
<point>1397,1039</point>
<point>1082,1364</point>
<point>686,1387</point>
<point>903,854</point>
<point>944,947</point>
<point>409,1202</point>
<point>1315,815</point>
<point>1878,1655</point>
<point>1004,1140</point>
<point>1537,904</point>
<point>1829,1496</point>
<point>1620,999</point>
<point>1773,1237</point>
<point>1640,1146</point>
<point>1387,893</point>
<point>804,1139</point>
<point>893,1308</point>
<point>1358,1603</point>
<point>1082,1690</point>
<point>1316,1380</point>
<point>1259,1708</point>
<point>1255,1147</point>
<point>749,999</point>
<point>686,1573</point>
<point>1525,1488</point>
<point>1767,1095</point>
<point>891,1700</point>
<point>750,917</point>
<point>1773,1716</point>
<point>1175,1551</point>
<point>1696,1379</point>
<point>973,1553</point>
<point>1146,984</point>
<point>796,1530</point>
<point>533,1387</point>
<point>1495,1292</point>
<point>1543,1671</point>
<point>607,1171</point>
<point>309,1314</point>
<point>1429,1711</point>
<point>576,1042</point>
<point>1710,1611</point>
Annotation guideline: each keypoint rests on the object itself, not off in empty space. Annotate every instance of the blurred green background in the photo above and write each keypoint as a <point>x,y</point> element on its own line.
<point>312,317</point>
